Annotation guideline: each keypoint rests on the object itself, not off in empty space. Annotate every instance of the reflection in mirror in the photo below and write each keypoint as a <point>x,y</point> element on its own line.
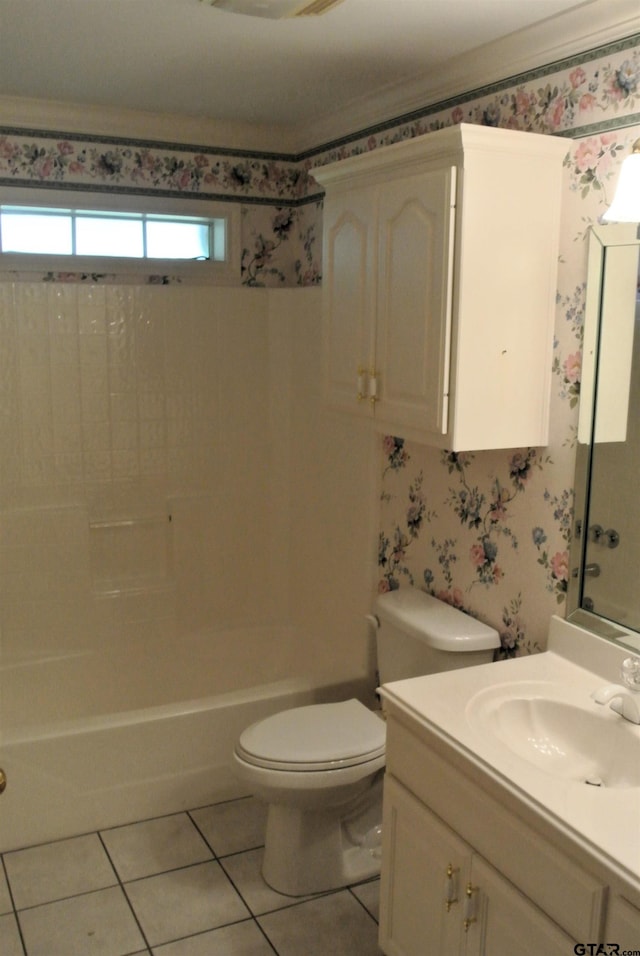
<point>605,585</point>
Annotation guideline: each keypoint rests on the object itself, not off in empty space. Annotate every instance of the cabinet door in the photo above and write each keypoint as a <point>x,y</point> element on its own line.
<point>348,297</point>
<point>623,924</point>
<point>500,921</point>
<point>424,872</point>
<point>415,235</point>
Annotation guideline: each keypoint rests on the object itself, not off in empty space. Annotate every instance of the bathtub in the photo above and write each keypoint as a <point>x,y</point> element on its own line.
<point>87,744</point>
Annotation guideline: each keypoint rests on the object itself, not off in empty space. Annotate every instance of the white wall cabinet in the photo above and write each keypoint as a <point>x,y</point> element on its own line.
<point>439,281</point>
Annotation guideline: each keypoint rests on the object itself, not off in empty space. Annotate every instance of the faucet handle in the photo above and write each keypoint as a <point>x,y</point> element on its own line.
<point>630,673</point>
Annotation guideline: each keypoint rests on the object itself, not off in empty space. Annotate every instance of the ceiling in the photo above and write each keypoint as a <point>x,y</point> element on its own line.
<point>188,58</point>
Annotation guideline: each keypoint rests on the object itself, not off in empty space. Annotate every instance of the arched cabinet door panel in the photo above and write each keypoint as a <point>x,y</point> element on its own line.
<point>439,284</point>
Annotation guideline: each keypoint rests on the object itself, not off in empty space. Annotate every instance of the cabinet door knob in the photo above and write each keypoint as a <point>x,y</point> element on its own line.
<point>470,907</point>
<point>362,383</point>
<point>451,886</point>
<point>373,386</point>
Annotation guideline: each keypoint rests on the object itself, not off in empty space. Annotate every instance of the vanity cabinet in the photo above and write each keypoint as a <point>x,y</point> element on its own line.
<point>439,282</point>
<point>464,873</point>
<point>623,924</point>
<point>440,897</point>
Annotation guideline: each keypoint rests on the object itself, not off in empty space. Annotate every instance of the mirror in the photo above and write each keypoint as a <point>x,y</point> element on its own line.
<point>604,590</point>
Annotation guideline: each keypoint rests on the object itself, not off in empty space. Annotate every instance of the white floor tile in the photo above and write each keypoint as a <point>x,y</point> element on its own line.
<point>96,924</point>
<point>5,899</point>
<point>369,896</point>
<point>154,846</point>
<point>240,939</point>
<point>10,943</point>
<point>42,874</point>
<point>244,869</point>
<point>69,903</point>
<point>335,924</point>
<point>233,826</point>
<point>183,902</point>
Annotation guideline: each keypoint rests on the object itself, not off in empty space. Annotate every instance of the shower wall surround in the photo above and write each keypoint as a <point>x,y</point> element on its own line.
<point>130,453</point>
<point>487,531</point>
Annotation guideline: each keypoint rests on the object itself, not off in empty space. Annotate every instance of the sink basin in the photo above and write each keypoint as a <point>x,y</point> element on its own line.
<point>588,744</point>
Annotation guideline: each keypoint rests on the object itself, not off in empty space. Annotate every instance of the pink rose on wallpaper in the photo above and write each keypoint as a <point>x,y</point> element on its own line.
<point>454,597</point>
<point>572,367</point>
<point>587,101</point>
<point>577,77</point>
<point>44,168</point>
<point>524,102</point>
<point>477,555</point>
<point>557,112</point>
<point>560,565</point>
<point>587,155</point>
<point>457,115</point>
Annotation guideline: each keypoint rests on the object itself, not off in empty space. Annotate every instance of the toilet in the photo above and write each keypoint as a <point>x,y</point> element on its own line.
<point>320,768</point>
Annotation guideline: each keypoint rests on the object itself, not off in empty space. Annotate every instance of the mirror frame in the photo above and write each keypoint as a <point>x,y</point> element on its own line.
<point>601,237</point>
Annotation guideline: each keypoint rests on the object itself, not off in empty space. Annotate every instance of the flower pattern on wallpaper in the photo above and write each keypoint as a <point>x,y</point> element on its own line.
<point>453,567</point>
<point>258,262</point>
<point>27,158</point>
<point>488,532</point>
<point>261,261</point>
<point>557,100</point>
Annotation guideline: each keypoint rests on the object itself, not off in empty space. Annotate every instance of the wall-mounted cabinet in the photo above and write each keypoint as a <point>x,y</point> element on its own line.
<point>439,282</point>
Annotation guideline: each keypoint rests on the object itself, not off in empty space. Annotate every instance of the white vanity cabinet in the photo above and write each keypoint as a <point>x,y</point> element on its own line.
<point>439,282</point>
<point>623,924</point>
<point>464,873</point>
<point>439,897</point>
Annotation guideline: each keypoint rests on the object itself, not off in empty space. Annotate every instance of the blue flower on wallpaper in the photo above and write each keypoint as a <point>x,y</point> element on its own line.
<point>556,564</point>
<point>392,552</point>
<point>308,271</point>
<point>627,76</point>
<point>569,368</point>
<point>488,514</point>
<point>512,634</point>
<point>258,263</point>
<point>447,557</point>
<point>395,453</point>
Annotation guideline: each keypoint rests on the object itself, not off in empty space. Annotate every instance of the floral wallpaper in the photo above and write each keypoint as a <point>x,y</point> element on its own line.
<point>488,531</point>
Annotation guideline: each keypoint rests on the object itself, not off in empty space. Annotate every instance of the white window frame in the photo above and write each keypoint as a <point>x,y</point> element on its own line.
<point>204,269</point>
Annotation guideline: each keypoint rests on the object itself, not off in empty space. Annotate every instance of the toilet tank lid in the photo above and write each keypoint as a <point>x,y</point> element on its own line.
<point>435,622</point>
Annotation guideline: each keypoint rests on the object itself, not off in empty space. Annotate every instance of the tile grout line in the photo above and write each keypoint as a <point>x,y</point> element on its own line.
<point>222,867</point>
<point>124,892</point>
<point>13,905</point>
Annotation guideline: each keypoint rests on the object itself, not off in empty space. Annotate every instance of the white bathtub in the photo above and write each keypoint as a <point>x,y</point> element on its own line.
<point>86,744</point>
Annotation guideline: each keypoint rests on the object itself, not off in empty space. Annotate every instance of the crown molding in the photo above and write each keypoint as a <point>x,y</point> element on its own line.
<point>594,24</point>
<point>24,113</point>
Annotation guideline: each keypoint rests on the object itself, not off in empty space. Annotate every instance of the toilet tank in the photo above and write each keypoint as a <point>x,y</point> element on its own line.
<point>418,634</point>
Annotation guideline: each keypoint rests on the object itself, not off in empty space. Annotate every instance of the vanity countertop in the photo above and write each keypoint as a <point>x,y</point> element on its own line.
<point>459,707</point>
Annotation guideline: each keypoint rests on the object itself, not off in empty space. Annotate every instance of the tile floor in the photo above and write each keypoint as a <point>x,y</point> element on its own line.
<point>187,884</point>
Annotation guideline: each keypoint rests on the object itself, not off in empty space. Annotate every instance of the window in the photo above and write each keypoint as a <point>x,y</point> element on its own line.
<point>128,235</point>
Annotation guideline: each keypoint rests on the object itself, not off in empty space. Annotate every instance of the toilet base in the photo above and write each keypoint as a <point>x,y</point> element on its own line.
<point>311,851</point>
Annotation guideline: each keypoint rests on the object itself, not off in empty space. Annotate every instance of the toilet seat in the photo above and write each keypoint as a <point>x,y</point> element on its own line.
<point>318,737</point>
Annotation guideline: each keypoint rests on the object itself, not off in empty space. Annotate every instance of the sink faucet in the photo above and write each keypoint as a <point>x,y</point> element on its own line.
<point>622,700</point>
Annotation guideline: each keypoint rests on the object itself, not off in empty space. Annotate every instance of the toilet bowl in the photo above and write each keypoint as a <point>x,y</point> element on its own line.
<point>320,768</point>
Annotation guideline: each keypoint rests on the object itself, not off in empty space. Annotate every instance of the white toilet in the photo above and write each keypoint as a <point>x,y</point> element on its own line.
<point>320,768</point>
